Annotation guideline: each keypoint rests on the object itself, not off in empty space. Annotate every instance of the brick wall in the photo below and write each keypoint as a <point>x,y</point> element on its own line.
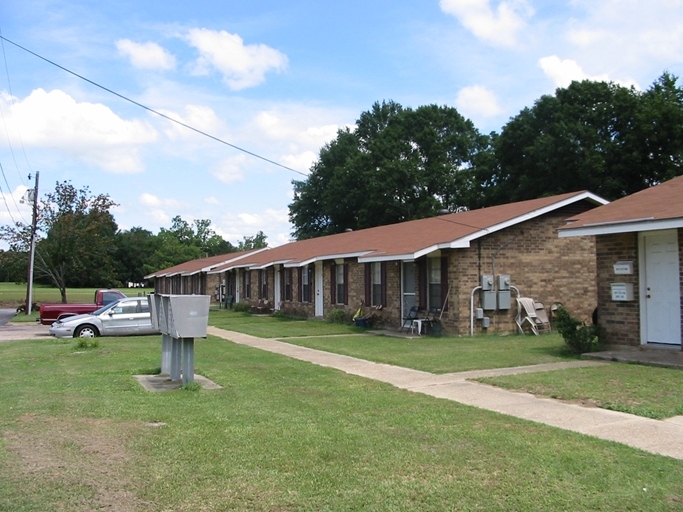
<point>620,321</point>
<point>541,265</point>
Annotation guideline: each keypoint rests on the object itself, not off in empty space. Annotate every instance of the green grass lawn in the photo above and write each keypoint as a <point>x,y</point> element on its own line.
<point>447,354</point>
<point>78,433</point>
<point>642,390</point>
<point>265,326</point>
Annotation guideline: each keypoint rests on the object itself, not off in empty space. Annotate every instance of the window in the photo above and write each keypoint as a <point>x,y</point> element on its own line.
<point>263,284</point>
<point>339,276</point>
<point>287,279</point>
<point>338,284</point>
<point>376,283</point>
<point>434,276</point>
<point>247,284</point>
<point>306,278</point>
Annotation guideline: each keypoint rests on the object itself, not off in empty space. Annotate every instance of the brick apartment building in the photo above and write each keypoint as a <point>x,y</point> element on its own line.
<point>639,241</point>
<point>437,262</point>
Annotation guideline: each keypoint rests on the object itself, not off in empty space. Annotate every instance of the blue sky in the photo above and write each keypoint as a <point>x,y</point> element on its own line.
<point>278,79</point>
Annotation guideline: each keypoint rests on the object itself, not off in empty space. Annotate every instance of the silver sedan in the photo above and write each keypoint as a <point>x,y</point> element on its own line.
<point>129,316</point>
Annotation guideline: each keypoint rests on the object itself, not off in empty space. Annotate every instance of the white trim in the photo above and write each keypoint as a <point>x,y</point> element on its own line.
<point>621,227</point>
<point>327,257</point>
<point>642,292</point>
<point>393,257</point>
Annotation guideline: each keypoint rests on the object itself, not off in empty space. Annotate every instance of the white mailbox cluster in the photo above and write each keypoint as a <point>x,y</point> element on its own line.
<point>180,319</point>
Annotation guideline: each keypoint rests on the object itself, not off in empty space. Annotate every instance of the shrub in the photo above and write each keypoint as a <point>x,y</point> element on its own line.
<point>87,343</point>
<point>338,316</point>
<point>578,336</point>
<point>242,307</point>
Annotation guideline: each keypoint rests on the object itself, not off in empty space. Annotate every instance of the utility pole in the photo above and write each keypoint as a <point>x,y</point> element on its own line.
<point>32,251</point>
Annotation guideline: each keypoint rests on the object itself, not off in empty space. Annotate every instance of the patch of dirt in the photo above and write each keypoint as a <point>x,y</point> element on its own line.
<point>86,455</point>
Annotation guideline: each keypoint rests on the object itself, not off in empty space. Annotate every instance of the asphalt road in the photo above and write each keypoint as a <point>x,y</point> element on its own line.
<point>19,331</point>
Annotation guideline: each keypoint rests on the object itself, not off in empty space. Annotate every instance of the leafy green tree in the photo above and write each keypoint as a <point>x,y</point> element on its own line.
<point>79,243</point>
<point>602,137</point>
<point>75,238</point>
<point>398,164</point>
<point>258,241</point>
<point>13,266</point>
<point>133,249</point>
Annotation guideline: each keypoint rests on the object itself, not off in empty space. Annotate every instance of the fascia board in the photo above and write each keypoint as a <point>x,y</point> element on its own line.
<point>230,260</point>
<point>464,242</point>
<point>390,257</point>
<point>624,227</point>
<point>326,257</point>
<point>248,266</point>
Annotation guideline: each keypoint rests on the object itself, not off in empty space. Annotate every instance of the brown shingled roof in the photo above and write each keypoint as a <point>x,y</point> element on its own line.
<point>412,239</point>
<point>194,266</point>
<point>650,208</point>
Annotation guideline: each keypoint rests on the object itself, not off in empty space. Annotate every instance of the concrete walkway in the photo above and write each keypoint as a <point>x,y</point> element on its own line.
<point>654,436</point>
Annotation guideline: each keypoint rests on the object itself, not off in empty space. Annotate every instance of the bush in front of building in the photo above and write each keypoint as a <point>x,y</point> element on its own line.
<point>242,307</point>
<point>338,316</point>
<point>578,336</point>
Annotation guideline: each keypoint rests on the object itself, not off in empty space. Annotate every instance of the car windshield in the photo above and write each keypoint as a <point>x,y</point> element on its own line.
<point>104,308</point>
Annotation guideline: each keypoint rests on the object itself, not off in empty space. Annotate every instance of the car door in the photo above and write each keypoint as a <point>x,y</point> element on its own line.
<point>121,319</point>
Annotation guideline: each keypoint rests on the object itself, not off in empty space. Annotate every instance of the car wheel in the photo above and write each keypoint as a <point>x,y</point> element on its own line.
<point>86,331</point>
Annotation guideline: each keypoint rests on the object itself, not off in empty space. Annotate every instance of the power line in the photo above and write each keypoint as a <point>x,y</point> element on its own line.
<point>5,199</point>
<point>9,142</point>
<point>149,109</point>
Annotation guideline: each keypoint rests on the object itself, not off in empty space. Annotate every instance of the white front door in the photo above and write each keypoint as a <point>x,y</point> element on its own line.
<point>662,293</point>
<point>319,288</point>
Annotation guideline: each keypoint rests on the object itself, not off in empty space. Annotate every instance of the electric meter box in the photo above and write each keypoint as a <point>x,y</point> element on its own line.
<point>488,300</point>
<point>504,299</point>
<point>486,283</point>
<point>503,282</point>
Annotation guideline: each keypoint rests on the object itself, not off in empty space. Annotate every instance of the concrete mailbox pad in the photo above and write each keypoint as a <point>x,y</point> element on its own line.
<point>180,319</point>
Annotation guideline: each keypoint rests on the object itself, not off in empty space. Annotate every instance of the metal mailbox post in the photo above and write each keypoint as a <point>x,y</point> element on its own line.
<point>180,319</point>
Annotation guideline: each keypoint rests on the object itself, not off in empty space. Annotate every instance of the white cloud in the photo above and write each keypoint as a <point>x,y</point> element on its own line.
<point>229,170</point>
<point>241,65</point>
<point>499,27</point>
<point>89,132</point>
<point>197,116</point>
<point>624,37</point>
<point>150,200</point>
<point>157,208</point>
<point>212,200</point>
<point>564,72</point>
<point>301,162</point>
<point>146,55</point>
<point>477,101</point>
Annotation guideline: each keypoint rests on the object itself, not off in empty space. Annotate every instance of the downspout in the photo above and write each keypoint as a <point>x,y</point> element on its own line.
<point>472,309</point>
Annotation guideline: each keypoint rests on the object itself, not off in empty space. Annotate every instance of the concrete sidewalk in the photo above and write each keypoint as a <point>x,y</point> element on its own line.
<point>654,436</point>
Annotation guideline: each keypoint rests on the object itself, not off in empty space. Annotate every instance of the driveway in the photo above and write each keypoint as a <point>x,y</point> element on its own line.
<point>19,331</point>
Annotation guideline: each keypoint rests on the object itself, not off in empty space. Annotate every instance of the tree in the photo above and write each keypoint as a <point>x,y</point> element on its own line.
<point>13,265</point>
<point>77,241</point>
<point>397,164</point>
<point>258,241</point>
<point>602,137</point>
<point>133,249</point>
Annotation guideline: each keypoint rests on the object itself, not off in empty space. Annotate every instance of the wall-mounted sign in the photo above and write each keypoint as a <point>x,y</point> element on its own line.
<point>622,291</point>
<point>623,268</point>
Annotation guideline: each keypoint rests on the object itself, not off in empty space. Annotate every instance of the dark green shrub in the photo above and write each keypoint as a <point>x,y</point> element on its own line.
<point>338,316</point>
<point>242,307</point>
<point>578,336</point>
